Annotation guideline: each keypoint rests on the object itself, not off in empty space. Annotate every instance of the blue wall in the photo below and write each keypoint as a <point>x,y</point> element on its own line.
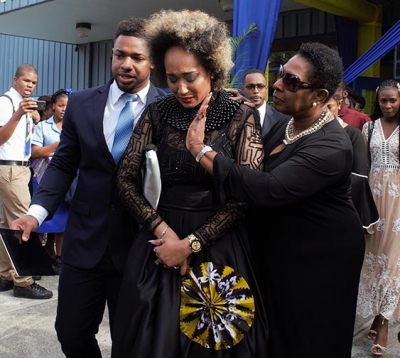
<point>59,65</point>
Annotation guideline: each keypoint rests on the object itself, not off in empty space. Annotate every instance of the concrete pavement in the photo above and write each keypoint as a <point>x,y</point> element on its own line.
<point>362,345</point>
<point>27,326</point>
<point>27,329</point>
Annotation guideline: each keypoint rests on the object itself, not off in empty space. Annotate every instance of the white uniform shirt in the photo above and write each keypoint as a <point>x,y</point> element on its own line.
<point>14,148</point>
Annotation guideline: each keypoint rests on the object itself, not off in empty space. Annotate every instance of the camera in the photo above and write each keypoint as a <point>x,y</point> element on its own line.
<point>41,105</point>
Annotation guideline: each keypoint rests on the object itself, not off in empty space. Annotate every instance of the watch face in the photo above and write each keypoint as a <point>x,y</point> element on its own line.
<point>195,245</point>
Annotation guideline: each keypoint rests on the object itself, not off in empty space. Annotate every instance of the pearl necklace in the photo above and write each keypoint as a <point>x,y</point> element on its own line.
<point>290,137</point>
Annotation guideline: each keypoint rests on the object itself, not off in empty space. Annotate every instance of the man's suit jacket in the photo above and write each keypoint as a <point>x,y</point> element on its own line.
<point>97,219</point>
<point>271,117</point>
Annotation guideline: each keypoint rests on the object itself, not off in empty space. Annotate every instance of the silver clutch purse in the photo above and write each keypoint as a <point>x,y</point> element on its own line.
<point>152,178</point>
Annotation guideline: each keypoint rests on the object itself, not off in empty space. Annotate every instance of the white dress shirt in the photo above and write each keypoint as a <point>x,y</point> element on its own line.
<point>262,110</point>
<point>14,148</point>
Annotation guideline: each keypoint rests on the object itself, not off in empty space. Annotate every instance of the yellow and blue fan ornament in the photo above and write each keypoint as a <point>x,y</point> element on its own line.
<point>217,306</point>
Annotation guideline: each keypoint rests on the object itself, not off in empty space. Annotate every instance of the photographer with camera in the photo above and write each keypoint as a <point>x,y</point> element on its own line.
<point>16,107</point>
<point>43,111</point>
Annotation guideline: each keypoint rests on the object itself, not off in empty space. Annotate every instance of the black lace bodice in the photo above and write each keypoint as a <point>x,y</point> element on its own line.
<point>233,131</point>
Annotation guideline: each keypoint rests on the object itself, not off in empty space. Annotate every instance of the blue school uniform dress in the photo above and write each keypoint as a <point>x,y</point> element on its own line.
<point>46,133</point>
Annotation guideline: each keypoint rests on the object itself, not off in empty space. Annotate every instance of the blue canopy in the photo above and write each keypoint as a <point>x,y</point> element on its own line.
<point>255,49</point>
<point>389,40</point>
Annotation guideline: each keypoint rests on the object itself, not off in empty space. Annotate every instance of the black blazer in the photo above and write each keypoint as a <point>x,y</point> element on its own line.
<point>271,117</point>
<point>97,219</point>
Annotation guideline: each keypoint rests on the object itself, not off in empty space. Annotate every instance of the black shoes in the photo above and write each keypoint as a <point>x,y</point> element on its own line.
<point>5,285</point>
<point>33,291</point>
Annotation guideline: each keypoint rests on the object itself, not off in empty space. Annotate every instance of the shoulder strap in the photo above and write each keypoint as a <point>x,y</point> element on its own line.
<point>5,95</point>
<point>370,129</point>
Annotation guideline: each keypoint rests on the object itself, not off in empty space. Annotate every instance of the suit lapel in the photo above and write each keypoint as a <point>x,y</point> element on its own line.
<point>266,124</point>
<point>152,95</point>
<point>99,102</point>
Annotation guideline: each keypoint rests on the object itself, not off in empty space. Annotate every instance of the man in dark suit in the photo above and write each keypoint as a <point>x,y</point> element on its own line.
<point>99,230</point>
<point>254,88</point>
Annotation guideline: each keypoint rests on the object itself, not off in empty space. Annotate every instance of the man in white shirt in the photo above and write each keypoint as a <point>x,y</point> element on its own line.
<point>15,132</point>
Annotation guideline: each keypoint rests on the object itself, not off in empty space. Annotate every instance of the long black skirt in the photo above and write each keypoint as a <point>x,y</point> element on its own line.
<point>147,321</point>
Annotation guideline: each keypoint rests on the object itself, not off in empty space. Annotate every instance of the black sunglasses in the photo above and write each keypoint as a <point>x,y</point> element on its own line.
<point>292,82</point>
<point>253,86</point>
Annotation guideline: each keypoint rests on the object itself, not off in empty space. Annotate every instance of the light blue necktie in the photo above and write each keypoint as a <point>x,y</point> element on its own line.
<point>28,135</point>
<point>124,128</point>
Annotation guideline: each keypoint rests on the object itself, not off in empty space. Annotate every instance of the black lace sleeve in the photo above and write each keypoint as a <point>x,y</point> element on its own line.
<point>247,149</point>
<point>128,179</point>
<point>239,138</point>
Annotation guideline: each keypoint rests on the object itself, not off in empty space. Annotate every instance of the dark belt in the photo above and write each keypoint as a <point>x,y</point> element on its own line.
<point>20,163</point>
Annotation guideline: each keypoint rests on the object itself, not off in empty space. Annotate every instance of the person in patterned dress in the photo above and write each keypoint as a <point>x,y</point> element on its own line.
<point>379,292</point>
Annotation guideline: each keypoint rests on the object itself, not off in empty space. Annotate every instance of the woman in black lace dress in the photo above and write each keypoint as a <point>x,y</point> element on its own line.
<point>192,55</point>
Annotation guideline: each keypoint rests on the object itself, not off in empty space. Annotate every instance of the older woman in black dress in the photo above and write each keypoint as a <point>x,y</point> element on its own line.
<point>310,243</point>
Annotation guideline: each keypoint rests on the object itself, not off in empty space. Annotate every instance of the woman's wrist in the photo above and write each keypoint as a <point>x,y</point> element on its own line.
<point>161,229</point>
<point>195,149</point>
<point>203,151</point>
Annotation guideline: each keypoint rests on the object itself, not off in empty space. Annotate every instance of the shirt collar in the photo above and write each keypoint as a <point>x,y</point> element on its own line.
<point>116,93</point>
<point>16,93</point>
<point>50,119</point>
<point>262,109</point>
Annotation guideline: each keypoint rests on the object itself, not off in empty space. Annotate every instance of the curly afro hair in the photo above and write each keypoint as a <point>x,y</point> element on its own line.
<point>198,33</point>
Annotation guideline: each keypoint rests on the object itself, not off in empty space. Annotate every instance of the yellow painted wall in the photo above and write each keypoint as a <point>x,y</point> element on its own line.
<point>369,19</point>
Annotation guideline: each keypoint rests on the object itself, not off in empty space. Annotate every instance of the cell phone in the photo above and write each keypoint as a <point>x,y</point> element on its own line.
<point>41,105</point>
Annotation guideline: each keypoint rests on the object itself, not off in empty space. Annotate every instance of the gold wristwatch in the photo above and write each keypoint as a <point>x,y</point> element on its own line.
<point>194,243</point>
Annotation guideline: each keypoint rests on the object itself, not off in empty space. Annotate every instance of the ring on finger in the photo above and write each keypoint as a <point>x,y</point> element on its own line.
<point>176,267</point>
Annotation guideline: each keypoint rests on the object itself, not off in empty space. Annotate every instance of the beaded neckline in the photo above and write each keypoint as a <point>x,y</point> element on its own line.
<point>220,109</point>
<point>290,137</point>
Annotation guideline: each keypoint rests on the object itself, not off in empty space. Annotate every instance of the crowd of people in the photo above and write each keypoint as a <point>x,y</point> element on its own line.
<point>268,214</point>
